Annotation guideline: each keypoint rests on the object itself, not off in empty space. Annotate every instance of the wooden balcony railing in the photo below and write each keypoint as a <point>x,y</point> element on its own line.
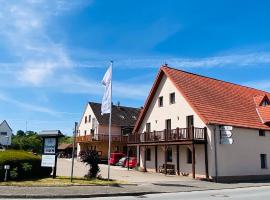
<point>101,138</point>
<point>178,134</point>
<point>86,138</point>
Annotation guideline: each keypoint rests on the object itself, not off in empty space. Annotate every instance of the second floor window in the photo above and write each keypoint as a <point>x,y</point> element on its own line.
<point>160,101</point>
<point>172,98</point>
<point>89,118</point>
<point>85,119</point>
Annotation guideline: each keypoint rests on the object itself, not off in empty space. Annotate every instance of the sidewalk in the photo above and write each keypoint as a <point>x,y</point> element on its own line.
<point>120,190</point>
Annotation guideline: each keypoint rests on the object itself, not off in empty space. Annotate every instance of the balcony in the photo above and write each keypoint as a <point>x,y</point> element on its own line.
<point>86,138</point>
<point>102,138</point>
<point>174,135</point>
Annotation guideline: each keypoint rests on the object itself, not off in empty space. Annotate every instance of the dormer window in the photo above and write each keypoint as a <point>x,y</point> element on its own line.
<point>265,102</point>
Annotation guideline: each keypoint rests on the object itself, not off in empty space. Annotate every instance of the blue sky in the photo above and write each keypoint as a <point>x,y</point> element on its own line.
<point>54,53</point>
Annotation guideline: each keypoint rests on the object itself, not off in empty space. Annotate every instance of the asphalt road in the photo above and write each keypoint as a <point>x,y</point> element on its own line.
<point>226,194</point>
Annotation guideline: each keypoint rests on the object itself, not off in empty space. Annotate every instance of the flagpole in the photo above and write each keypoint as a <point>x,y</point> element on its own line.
<point>110,126</point>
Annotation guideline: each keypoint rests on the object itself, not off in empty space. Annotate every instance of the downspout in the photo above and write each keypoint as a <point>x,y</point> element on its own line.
<point>216,161</point>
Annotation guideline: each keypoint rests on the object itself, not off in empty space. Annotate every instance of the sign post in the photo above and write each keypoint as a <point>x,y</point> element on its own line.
<point>50,148</point>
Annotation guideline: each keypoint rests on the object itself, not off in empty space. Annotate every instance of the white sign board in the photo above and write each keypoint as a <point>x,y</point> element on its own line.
<point>226,141</point>
<point>225,134</point>
<point>49,145</point>
<point>48,161</point>
<point>226,128</point>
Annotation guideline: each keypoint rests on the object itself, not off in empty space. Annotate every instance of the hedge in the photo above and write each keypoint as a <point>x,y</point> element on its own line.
<point>23,165</point>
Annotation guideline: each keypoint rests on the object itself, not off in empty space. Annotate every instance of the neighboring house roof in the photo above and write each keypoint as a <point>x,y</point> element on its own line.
<point>215,101</point>
<point>6,124</point>
<point>121,115</point>
<point>65,146</point>
<point>53,133</point>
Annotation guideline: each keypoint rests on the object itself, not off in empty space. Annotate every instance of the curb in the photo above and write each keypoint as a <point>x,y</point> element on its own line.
<point>76,196</point>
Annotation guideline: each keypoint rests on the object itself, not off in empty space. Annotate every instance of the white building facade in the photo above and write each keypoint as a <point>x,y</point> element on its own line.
<point>5,134</point>
<point>93,129</point>
<point>186,128</point>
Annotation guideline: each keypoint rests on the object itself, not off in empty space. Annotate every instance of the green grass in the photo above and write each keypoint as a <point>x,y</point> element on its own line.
<point>15,155</point>
<point>60,181</point>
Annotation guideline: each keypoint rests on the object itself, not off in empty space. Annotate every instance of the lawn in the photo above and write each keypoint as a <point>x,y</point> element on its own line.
<point>60,181</point>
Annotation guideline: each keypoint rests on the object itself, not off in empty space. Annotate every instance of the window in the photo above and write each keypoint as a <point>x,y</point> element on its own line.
<point>172,98</point>
<point>261,132</point>
<point>148,154</point>
<point>94,124</point>
<point>85,132</point>
<point>160,101</point>
<point>189,156</point>
<point>168,124</point>
<point>265,102</point>
<point>89,118</point>
<point>85,119</point>
<point>169,154</point>
<point>263,161</point>
<point>190,121</point>
<point>148,127</point>
<point>3,133</point>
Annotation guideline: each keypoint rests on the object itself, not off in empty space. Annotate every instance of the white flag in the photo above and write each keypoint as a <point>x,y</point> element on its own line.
<point>107,97</point>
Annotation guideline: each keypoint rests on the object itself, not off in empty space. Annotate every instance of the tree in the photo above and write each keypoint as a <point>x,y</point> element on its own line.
<point>66,140</point>
<point>29,141</point>
<point>92,159</point>
<point>20,133</point>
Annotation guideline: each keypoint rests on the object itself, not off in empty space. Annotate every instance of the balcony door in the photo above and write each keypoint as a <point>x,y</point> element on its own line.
<point>148,127</point>
<point>190,124</point>
<point>190,121</point>
<point>168,124</point>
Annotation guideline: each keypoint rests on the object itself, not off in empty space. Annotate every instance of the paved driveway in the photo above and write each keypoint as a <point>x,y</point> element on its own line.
<point>118,173</point>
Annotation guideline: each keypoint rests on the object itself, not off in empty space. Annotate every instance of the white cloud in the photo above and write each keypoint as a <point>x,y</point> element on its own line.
<point>28,106</point>
<point>24,28</point>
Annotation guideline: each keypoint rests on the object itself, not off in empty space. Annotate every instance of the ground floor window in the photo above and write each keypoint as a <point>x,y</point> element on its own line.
<point>263,161</point>
<point>169,154</point>
<point>148,154</point>
<point>189,156</point>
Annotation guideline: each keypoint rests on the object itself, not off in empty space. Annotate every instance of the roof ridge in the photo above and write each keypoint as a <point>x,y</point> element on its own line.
<point>236,84</point>
<point>115,105</point>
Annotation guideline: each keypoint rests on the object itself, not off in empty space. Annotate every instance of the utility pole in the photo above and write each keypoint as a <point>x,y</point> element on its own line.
<point>73,150</point>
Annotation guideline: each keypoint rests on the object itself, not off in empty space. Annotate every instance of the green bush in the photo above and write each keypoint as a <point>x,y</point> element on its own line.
<point>23,165</point>
<point>92,159</point>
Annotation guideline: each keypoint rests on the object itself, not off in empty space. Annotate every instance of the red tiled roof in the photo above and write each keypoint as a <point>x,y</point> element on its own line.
<point>215,101</point>
<point>264,113</point>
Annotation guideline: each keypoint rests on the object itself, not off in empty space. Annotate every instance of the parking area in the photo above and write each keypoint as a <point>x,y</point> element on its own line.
<point>118,173</point>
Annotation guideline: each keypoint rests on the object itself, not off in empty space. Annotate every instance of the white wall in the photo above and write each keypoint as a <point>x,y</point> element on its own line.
<point>176,112</point>
<point>3,139</point>
<point>243,156</point>
<point>183,165</point>
<point>88,125</point>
